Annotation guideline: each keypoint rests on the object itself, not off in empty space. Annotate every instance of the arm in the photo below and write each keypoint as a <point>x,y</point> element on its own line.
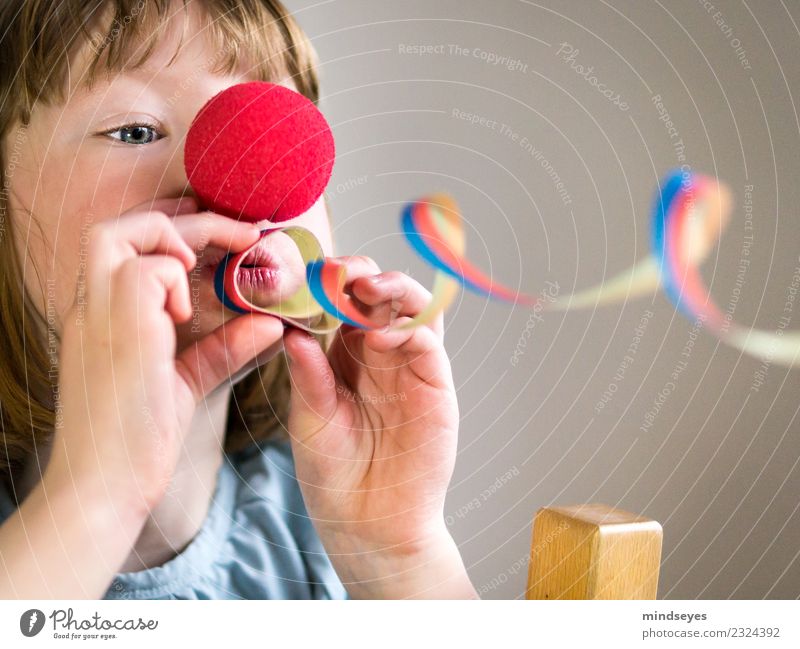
<point>430,571</point>
<point>67,539</point>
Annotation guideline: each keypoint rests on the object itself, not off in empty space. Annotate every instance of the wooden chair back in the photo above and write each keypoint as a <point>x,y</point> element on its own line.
<point>593,551</point>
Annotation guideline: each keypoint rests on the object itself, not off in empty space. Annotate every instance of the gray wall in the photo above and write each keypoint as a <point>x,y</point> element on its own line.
<point>718,465</point>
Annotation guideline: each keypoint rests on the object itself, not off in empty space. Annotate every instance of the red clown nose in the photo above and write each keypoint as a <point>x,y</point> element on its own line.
<point>258,151</point>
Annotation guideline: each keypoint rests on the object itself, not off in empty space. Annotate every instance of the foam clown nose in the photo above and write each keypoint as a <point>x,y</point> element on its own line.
<point>259,151</point>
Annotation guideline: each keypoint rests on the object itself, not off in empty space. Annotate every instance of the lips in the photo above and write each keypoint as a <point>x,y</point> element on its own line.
<point>258,275</point>
<point>259,257</point>
<point>255,278</point>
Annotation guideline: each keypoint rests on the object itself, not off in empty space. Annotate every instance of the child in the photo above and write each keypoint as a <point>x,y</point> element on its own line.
<point>155,444</point>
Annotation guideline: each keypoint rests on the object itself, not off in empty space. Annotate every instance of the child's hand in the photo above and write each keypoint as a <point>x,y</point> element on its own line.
<point>374,429</point>
<point>126,400</point>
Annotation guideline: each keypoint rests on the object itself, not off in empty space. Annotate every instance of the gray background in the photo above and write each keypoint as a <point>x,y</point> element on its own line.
<point>718,467</point>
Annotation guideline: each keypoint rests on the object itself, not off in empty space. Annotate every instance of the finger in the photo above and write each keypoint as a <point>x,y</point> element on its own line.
<point>254,363</point>
<point>426,355</point>
<point>360,267</point>
<point>391,295</point>
<point>409,341</point>
<point>313,394</point>
<point>392,284</point>
<point>113,242</point>
<point>211,229</point>
<point>144,287</point>
<point>217,357</point>
<point>357,266</point>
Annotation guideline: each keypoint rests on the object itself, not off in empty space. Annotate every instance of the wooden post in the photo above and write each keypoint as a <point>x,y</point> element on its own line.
<point>593,552</point>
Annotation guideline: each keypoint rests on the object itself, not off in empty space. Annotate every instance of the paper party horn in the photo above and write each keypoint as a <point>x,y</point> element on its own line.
<point>432,226</point>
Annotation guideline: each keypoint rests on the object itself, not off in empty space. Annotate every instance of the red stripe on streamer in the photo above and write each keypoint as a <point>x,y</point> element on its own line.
<point>333,277</point>
<point>693,291</point>
<point>425,224</point>
<point>230,281</point>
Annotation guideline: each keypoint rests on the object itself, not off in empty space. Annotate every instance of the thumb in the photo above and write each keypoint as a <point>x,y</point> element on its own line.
<point>313,399</point>
<point>220,355</point>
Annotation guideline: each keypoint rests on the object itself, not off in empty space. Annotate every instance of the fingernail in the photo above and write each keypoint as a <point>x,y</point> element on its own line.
<point>376,279</point>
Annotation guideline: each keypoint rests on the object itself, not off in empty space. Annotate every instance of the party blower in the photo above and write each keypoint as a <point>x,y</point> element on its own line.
<point>259,151</point>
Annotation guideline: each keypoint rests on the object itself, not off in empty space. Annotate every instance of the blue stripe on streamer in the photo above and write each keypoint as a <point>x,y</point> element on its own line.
<point>664,201</point>
<point>314,279</point>
<point>219,286</point>
<point>427,254</point>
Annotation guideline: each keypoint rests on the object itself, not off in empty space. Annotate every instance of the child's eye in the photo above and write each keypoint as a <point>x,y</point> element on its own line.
<point>139,133</point>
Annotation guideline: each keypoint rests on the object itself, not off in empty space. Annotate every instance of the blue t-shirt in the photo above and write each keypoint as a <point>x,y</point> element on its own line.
<point>257,541</point>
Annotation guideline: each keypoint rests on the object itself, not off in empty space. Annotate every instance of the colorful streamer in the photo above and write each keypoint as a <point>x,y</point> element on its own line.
<point>692,210</point>
<point>689,213</point>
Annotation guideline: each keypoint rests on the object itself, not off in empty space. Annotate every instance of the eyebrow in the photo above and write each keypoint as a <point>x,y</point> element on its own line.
<point>152,77</point>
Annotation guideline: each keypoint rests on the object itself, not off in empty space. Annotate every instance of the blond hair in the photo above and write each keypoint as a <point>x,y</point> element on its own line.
<point>38,41</point>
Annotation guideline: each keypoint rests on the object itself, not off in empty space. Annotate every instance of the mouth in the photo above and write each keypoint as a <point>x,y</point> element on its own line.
<point>259,257</point>
<point>259,270</point>
<point>258,276</point>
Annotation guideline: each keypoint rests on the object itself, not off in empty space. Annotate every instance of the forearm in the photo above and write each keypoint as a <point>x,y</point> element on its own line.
<point>66,541</point>
<point>434,570</point>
